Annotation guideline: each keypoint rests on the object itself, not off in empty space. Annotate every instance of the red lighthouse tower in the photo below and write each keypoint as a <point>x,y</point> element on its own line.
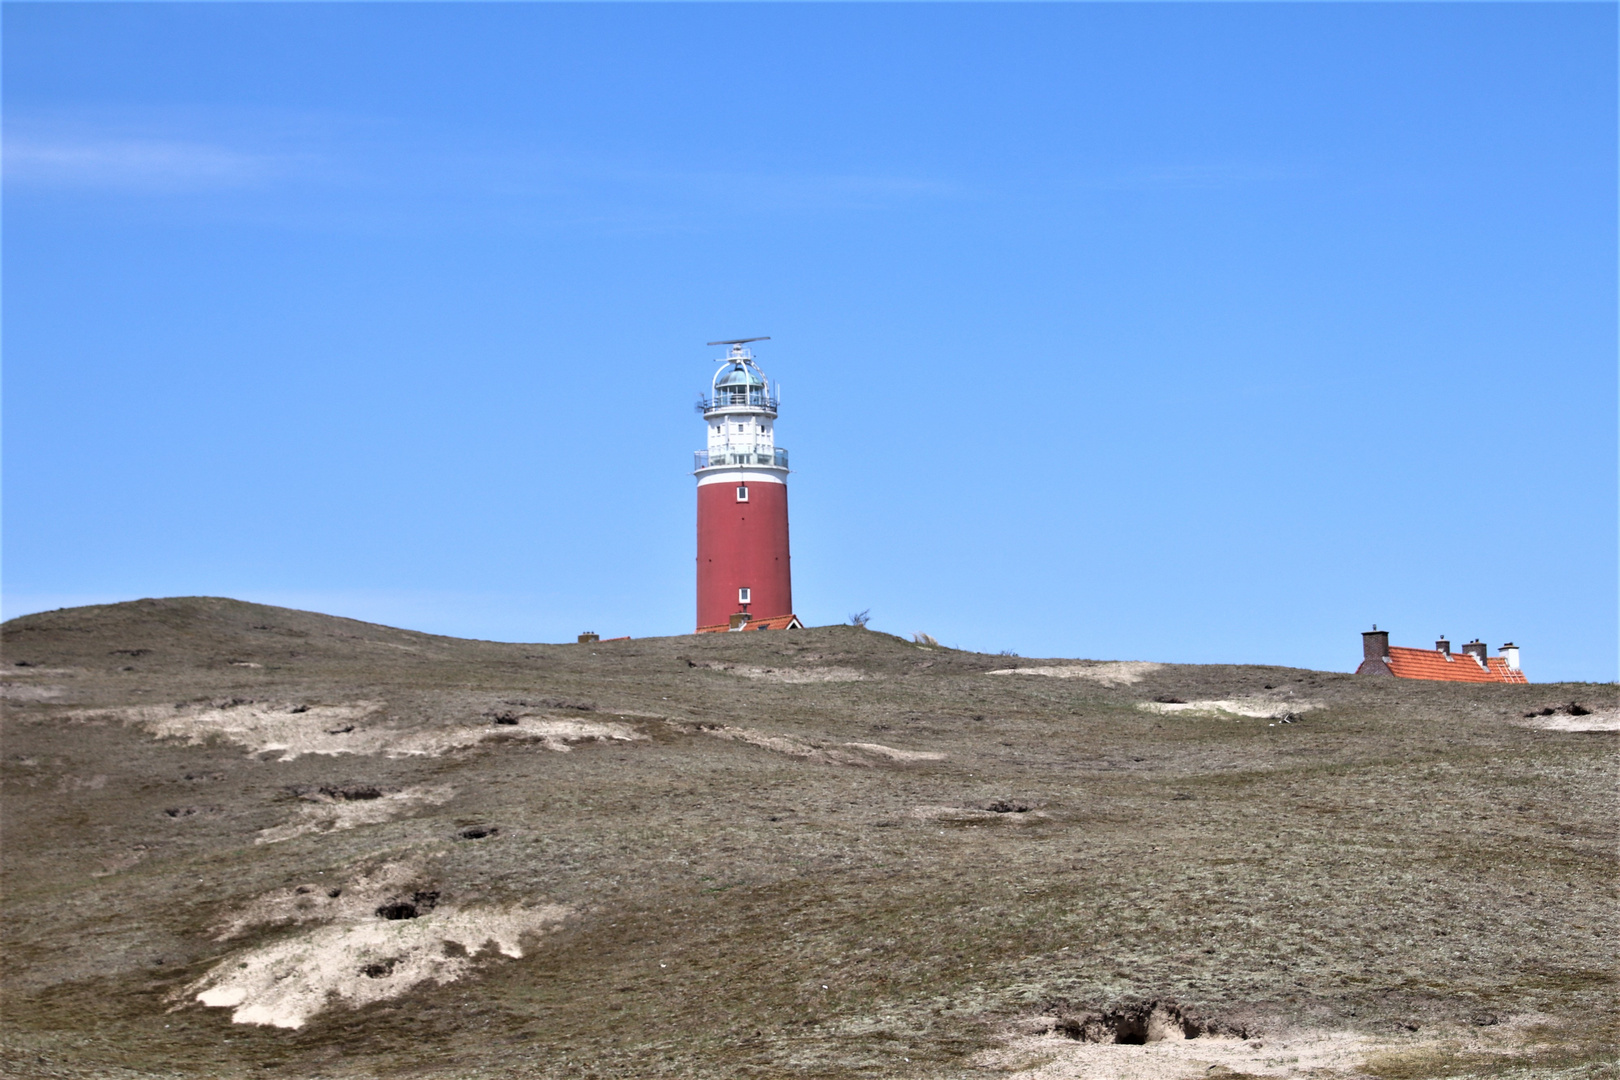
<point>744,579</point>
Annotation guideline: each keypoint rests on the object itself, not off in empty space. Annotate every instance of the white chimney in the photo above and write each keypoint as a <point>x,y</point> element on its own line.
<point>1510,653</point>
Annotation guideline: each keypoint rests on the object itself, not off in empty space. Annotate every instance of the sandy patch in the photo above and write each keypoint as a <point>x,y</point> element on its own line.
<point>30,692</point>
<point>1038,1049</point>
<point>973,814</point>
<point>1054,1057</point>
<point>352,897</point>
<point>827,753</point>
<point>893,754</point>
<point>786,675</point>
<point>353,954</point>
<point>117,864</point>
<point>552,734</point>
<point>363,962</point>
<point>1258,708</point>
<point>293,730</point>
<point>1107,672</point>
<point>1596,720</point>
<point>327,812</point>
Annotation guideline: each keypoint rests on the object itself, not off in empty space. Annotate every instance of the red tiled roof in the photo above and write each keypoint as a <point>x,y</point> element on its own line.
<point>1456,667</point>
<point>775,622</point>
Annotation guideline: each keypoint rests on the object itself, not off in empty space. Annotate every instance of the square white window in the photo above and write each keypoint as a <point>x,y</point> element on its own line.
<point>742,596</point>
<point>742,492</point>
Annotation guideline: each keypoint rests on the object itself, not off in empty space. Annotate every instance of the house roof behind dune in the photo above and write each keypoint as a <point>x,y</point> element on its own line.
<point>1407,663</point>
<point>1473,663</point>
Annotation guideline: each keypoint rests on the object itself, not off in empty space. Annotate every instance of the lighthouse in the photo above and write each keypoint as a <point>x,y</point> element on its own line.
<point>744,578</point>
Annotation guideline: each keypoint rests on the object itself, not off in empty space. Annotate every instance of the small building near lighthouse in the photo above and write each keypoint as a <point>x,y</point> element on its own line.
<point>744,570</point>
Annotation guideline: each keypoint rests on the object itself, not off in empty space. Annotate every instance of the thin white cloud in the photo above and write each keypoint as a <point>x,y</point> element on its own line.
<point>559,188</point>
<point>360,172</point>
<point>128,163</point>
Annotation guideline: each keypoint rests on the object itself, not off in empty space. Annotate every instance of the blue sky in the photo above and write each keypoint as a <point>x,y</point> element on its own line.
<point>1190,333</point>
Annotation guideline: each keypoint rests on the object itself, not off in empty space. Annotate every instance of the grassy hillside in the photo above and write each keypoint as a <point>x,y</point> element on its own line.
<point>826,852</point>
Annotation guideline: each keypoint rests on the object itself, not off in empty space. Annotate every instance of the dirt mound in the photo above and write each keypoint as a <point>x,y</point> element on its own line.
<point>998,811</point>
<point>1574,717</point>
<point>1135,1023</point>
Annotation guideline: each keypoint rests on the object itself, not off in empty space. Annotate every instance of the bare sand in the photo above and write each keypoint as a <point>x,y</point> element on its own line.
<point>1596,720</point>
<point>350,952</point>
<point>295,729</point>
<point>797,676</point>
<point>825,752</point>
<point>1053,1057</point>
<point>352,896</point>
<point>324,813</point>
<point>973,814</point>
<point>1035,1050</point>
<point>11,691</point>
<point>1259,708</point>
<point>358,963</point>
<point>1107,672</point>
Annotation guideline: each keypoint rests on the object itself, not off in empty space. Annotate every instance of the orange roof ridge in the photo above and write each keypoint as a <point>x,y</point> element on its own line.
<point>1409,663</point>
<point>769,622</point>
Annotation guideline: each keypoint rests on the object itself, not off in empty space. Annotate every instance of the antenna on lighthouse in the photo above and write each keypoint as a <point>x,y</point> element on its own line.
<point>739,341</point>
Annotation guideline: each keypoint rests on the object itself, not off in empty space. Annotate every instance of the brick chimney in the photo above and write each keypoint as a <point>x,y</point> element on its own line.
<point>1374,644</point>
<point>1510,653</point>
<point>1478,650</point>
<point>1374,652</point>
<point>1443,646</point>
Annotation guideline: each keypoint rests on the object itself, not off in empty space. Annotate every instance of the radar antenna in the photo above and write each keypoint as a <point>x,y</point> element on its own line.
<point>739,341</point>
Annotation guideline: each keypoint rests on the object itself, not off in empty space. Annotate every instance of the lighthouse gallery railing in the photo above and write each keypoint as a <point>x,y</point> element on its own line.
<point>704,459</point>
<point>729,399</point>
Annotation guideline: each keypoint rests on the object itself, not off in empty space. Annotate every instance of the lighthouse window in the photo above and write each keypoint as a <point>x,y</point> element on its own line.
<point>742,493</point>
<point>742,596</point>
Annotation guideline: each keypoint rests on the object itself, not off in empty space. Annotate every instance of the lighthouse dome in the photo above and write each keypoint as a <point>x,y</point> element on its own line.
<point>739,384</point>
<point>739,377</point>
